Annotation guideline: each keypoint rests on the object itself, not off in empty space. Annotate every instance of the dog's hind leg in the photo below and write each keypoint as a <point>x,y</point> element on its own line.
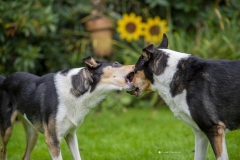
<point>5,136</point>
<point>6,127</point>
<point>216,137</point>
<point>201,145</point>
<point>31,137</point>
<point>72,142</point>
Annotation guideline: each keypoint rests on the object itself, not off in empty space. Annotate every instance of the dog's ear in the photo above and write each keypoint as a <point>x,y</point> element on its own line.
<point>91,63</point>
<point>164,43</point>
<point>147,52</point>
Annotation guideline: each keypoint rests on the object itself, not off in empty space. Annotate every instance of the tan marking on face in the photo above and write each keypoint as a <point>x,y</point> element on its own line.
<point>116,75</point>
<point>51,137</point>
<point>219,135</point>
<point>142,82</point>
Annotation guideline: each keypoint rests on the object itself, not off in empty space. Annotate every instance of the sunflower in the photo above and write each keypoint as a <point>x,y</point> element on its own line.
<point>130,27</point>
<point>154,29</point>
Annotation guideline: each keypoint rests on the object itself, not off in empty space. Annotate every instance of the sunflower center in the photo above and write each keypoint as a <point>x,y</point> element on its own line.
<point>155,30</point>
<point>130,27</point>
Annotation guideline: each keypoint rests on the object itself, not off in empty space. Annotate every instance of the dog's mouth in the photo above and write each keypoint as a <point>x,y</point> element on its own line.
<point>135,90</point>
<point>129,79</point>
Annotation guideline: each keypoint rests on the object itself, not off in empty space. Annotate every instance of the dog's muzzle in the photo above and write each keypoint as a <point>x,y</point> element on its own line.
<point>134,90</point>
<point>128,80</point>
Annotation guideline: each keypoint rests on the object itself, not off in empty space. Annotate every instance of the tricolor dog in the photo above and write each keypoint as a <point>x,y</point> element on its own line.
<point>56,103</point>
<point>205,94</point>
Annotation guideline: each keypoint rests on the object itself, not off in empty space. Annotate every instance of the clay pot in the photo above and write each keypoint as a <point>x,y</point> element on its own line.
<point>100,30</point>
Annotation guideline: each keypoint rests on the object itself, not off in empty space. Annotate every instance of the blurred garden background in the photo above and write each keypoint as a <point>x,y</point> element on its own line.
<point>45,36</point>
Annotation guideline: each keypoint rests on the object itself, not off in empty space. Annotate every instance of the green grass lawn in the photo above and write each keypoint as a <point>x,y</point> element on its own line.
<point>130,135</point>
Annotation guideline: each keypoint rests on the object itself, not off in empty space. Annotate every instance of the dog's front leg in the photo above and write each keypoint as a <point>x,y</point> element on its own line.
<point>201,145</point>
<point>72,142</point>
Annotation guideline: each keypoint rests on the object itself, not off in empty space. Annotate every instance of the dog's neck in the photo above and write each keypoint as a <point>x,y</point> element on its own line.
<point>173,59</point>
<point>162,81</point>
<point>78,101</point>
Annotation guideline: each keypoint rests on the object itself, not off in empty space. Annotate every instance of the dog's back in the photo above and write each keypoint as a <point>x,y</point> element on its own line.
<point>17,81</point>
<point>12,86</point>
<point>31,94</point>
<point>219,82</point>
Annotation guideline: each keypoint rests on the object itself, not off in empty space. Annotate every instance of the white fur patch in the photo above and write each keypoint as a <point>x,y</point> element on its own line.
<point>72,109</point>
<point>177,104</point>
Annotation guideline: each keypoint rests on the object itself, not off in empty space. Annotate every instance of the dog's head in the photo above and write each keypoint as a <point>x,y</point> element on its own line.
<point>112,74</point>
<point>152,62</point>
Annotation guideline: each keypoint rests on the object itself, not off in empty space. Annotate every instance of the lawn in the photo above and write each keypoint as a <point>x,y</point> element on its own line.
<point>129,135</point>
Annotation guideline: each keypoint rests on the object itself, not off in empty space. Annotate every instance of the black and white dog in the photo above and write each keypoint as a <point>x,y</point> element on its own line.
<point>56,104</point>
<point>205,94</point>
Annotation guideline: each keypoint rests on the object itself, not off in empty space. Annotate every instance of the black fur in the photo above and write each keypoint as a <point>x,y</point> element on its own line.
<point>33,96</point>
<point>1,80</point>
<point>65,71</point>
<point>184,75</point>
<point>164,43</point>
<point>38,99</point>
<point>81,82</point>
<point>213,89</point>
<point>4,100</point>
<point>159,65</point>
<point>212,94</point>
<point>36,96</point>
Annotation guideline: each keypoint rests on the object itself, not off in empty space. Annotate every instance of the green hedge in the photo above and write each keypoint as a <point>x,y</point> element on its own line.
<point>36,36</point>
<point>45,36</point>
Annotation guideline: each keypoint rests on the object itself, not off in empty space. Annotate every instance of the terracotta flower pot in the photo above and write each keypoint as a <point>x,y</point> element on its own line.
<point>100,29</point>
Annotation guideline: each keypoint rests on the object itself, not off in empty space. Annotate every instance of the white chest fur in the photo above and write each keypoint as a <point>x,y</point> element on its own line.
<point>177,104</point>
<point>71,109</point>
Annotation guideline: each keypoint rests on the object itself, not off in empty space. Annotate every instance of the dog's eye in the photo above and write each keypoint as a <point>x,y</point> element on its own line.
<point>116,64</point>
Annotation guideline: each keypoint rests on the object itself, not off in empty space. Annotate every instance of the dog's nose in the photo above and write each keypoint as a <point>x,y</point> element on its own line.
<point>129,77</point>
